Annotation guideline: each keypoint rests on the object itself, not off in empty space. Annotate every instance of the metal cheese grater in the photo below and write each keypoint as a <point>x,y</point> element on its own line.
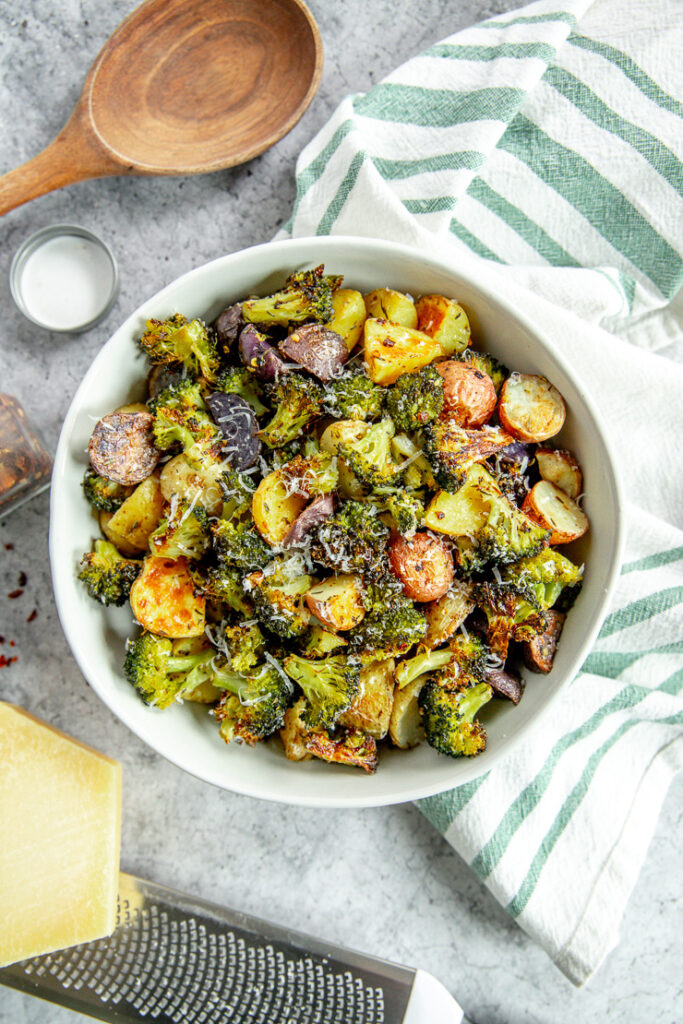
<point>175,959</point>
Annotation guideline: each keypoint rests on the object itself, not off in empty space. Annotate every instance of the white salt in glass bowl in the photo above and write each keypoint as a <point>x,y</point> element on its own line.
<point>186,734</point>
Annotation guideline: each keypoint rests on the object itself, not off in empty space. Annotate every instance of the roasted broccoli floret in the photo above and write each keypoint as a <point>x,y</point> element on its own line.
<point>312,475</point>
<point>392,623</point>
<point>178,340</point>
<point>108,576</point>
<point>297,400</point>
<point>510,616</point>
<point>277,593</point>
<point>452,450</point>
<point>241,644</point>
<point>238,544</point>
<point>103,494</point>
<point>180,417</point>
<point>405,508</point>
<point>421,664</point>
<point>448,717</point>
<point>306,295</point>
<point>237,380</point>
<point>184,531</point>
<point>352,540</point>
<point>351,747</point>
<point>353,396</point>
<point>329,686</point>
<point>543,577</point>
<point>469,654</point>
<point>370,457</point>
<point>321,642</point>
<point>221,583</point>
<point>487,364</point>
<point>160,674</point>
<point>253,706</point>
<point>416,399</point>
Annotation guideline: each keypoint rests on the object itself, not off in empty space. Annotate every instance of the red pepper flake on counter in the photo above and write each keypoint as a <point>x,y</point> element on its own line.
<point>23,579</point>
<point>33,615</point>
<point>6,662</point>
<point>9,547</point>
<point>15,593</point>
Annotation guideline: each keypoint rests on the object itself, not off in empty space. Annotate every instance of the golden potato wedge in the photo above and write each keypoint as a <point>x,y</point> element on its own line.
<point>447,614</point>
<point>122,545</point>
<point>405,724</point>
<point>423,564</point>
<point>349,315</point>
<point>465,512</point>
<point>275,507</point>
<point>371,710</point>
<point>391,349</point>
<point>469,395</point>
<point>164,601</point>
<point>445,321</point>
<point>547,505</point>
<point>337,602</point>
<point>559,467</point>
<point>386,304</point>
<point>530,408</point>
<point>130,526</point>
<point>193,484</point>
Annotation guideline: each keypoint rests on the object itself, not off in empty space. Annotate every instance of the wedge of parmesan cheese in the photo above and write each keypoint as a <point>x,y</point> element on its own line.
<point>60,829</point>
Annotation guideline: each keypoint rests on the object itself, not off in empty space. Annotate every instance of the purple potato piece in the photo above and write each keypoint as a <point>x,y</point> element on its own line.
<point>122,447</point>
<point>238,425</point>
<point>516,452</point>
<point>314,514</point>
<point>505,684</point>
<point>317,349</point>
<point>539,653</point>
<point>259,356</point>
<point>228,325</point>
<point>164,375</point>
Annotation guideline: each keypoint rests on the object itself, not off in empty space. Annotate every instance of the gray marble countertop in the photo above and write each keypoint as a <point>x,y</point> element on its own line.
<point>418,902</point>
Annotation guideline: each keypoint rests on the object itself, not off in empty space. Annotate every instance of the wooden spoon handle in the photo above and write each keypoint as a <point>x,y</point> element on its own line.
<point>73,156</point>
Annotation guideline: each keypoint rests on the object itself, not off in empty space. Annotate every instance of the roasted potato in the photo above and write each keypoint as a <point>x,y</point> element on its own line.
<point>276,507</point>
<point>559,467</point>
<point>349,316</point>
<point>132,407</point>
<point>318,349</point>
<point>405,724</point>
<point>447,614</point>
<point>547,505</point>
<point>337,601</point>
<point>293,733</point>
<point>130,526</point>
<point>164,601</point>
<point>469,395</point>
<point>193,484</point>
<point>342,432</point>
<point>371,710</point>
<point>505,684</point>
<point>465,512</point>
<point>423,564</point>
<point>539,653</point>
<point>391,349</point>
<point>445,321</point>
<point>530,408</point>
<point>386,304</point>
<point>122,447</point>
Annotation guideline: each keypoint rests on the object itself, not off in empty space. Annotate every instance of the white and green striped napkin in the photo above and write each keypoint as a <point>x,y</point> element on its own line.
<point>542,149</point>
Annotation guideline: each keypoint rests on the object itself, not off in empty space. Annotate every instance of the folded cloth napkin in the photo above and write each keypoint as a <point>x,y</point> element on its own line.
<point>542,150</point>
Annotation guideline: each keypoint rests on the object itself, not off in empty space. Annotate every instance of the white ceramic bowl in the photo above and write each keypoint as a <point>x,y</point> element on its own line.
<point>186,735</point>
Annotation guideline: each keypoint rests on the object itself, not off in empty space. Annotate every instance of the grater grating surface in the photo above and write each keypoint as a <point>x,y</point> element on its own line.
<point>174,959</point>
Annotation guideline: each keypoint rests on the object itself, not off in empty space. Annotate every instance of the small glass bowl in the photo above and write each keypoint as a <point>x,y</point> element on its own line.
<point>35,242</point>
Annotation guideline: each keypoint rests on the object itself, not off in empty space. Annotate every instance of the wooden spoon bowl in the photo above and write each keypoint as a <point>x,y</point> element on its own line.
<point>183,87</point>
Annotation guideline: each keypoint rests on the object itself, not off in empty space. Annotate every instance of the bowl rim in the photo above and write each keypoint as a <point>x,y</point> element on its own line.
<point>507,744</point>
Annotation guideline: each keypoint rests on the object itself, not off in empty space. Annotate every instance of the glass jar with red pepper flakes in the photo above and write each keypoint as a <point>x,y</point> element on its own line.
<point>25,463</point>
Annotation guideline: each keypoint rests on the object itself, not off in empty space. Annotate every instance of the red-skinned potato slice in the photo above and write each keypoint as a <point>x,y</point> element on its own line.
<point>530,408</point>
<point>560,467</point>
<point>556,511</point>
<point>423,564</point>
<point>469,395</point>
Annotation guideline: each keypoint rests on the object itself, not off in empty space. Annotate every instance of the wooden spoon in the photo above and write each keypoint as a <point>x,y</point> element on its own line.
<point>182,87</point>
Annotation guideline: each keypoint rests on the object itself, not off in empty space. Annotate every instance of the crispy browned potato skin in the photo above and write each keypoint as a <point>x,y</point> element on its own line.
<point>559,467</point>
<point>371,710</point>
<point>423,564</point>
<point>530,408</point>
<point>539,653</point>
<point>121,447</point>
<point>447,614</point>
<point>469,395</point>
<point>164,601</point>
<point>391,349</point>
<point>444,320</point>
